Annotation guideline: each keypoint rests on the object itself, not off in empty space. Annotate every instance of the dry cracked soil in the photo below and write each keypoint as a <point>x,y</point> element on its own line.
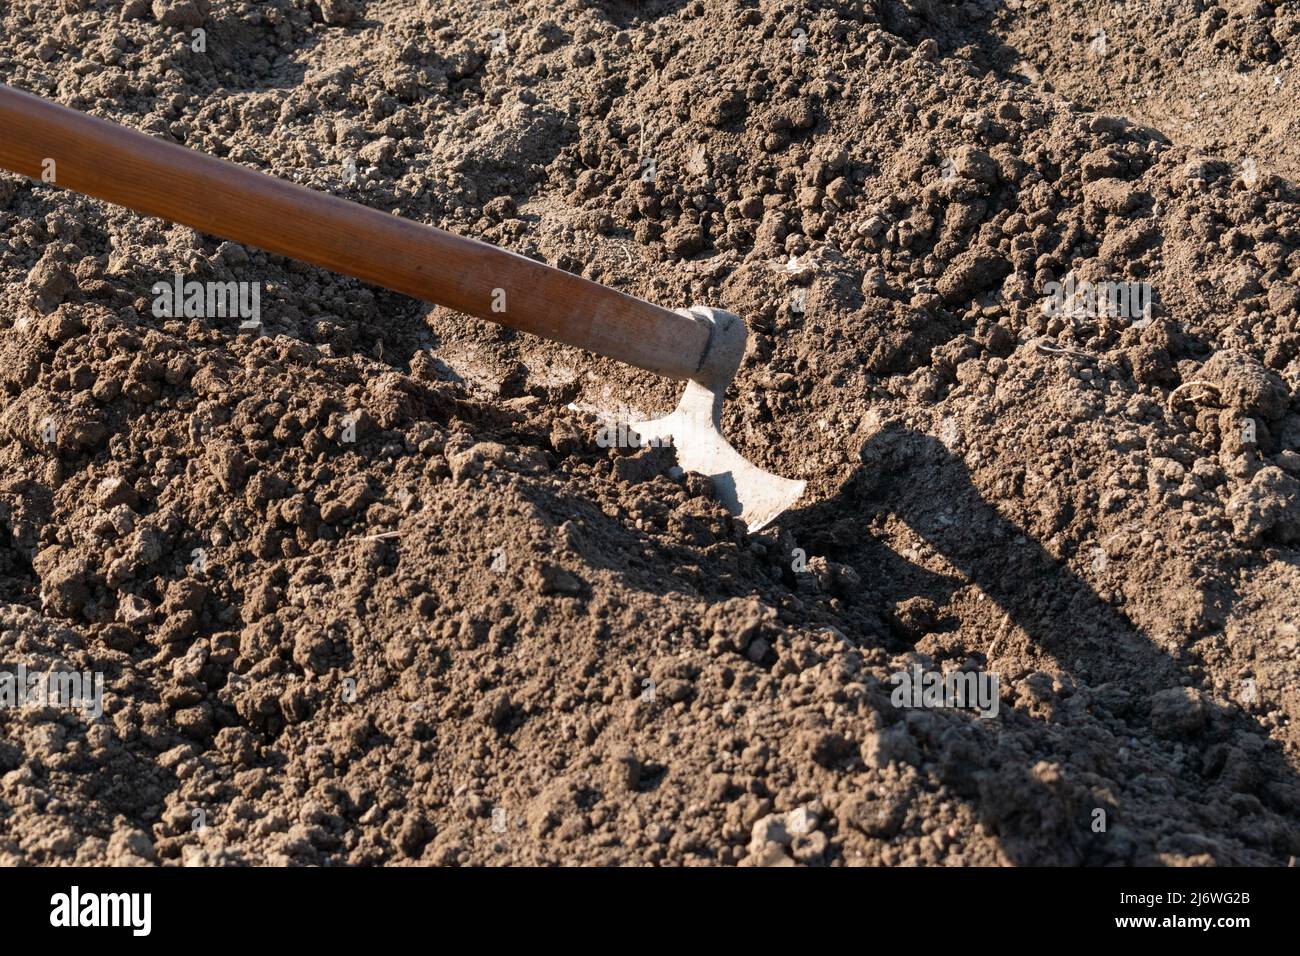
<point>364,585</point>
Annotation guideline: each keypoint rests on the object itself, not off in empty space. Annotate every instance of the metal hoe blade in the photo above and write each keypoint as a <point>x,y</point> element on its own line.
<point>755,496</point>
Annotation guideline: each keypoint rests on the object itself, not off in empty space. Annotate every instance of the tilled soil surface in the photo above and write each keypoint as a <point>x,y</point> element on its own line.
<point>366,587</point>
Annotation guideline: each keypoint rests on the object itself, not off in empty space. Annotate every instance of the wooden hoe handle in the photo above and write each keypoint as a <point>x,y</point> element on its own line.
<point>162,179</point>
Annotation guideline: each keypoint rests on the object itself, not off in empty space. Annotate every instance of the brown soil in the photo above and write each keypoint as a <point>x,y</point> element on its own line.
<point>473,635</point>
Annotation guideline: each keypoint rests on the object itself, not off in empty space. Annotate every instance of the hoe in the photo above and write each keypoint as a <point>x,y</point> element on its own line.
<point>700,345</point>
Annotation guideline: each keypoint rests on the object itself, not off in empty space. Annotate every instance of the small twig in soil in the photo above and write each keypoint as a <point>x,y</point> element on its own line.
<point>1174,394</point>
<point>1056,350</point>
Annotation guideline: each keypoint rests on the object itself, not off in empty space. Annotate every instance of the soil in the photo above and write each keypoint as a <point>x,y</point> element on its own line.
<point>366,588</point>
